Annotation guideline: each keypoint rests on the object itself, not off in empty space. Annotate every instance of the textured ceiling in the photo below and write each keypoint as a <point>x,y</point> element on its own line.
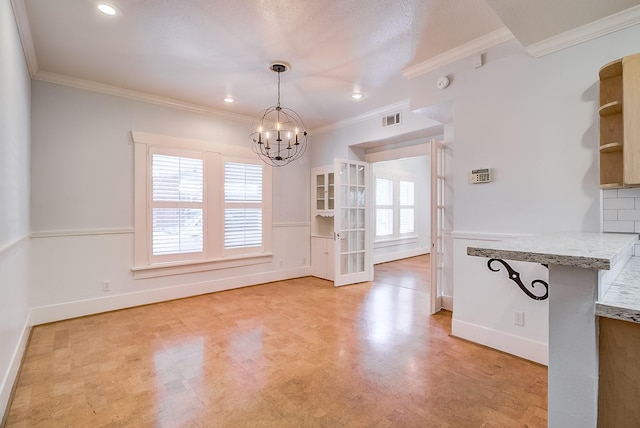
<point>535,21</point>
<point>199,51</point>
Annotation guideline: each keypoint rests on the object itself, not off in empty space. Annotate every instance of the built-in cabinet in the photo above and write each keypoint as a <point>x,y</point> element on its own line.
<point>322,257</point>
<point>322,213</point>
<point>620,123</point>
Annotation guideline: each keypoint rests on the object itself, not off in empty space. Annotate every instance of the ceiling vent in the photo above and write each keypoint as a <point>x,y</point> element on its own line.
<point>392,119</point>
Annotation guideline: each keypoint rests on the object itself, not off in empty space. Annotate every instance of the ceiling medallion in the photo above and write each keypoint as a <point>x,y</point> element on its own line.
<point>279,135</point>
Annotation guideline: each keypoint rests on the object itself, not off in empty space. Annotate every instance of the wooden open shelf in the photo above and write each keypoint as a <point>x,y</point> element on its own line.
<point>611,186</point>
<point>612,69</point>
<point>619,124</point>
<point>611,147</point>
<point>611,108</point>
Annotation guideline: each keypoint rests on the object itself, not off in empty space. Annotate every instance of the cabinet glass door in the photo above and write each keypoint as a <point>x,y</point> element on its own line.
<point>352,262</point>
<point>330,190</point>
<point>320,198</point>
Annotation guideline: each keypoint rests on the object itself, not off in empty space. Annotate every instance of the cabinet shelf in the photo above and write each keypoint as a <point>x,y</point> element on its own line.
<point>608,109</point>
<point>611,186</point>
<point>611,147</point>
<point>612,69</point>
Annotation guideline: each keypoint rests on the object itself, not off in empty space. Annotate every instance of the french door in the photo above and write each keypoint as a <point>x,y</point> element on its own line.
<point>352,254</point>
<point>437,219</point>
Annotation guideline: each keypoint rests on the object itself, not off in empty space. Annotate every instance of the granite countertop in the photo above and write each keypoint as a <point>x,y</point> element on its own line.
<point>622,299</point>
<point>579,249</point>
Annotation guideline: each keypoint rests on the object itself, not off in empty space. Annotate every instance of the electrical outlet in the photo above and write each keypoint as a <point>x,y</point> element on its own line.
<point>304,261</point>
<point>106,285</point>
<point>281,263</point>
<point>518,318</point>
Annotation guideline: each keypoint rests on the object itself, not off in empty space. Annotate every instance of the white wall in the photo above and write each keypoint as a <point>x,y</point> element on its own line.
<point>82,204</point>
<point>14,201</point>
<point>326,145</point>
<point>535,121</point>
<point>418,168</point>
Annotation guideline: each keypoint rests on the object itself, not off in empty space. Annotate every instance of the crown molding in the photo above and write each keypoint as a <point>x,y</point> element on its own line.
<point>24,31</point>
<point>116,91</point>
<point>593,30</point>
<point>404,104</point>
<point>475,46</point>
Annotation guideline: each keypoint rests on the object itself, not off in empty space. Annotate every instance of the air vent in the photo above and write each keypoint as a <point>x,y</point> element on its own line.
<point>392,119</point>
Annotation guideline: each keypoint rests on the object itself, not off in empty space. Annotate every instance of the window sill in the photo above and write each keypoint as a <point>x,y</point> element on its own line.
<point>193,266</point>
<point>390,242</point>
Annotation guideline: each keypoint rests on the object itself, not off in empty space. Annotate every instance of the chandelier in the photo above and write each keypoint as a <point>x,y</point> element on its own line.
<point>279,135</point>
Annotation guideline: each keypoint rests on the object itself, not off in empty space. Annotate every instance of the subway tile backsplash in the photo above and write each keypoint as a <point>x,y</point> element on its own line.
<point>621,212</point>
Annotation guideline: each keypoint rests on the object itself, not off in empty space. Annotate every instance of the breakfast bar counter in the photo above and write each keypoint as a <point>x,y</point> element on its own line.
<point>583,270</point>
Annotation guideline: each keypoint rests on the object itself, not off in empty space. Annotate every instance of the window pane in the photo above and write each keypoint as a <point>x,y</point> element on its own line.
<point>406,192</point>
<point>177,179</point>
<point>242,182</point>
<point>384,191</point>
<point>406,220</point>
<point>177,231</point>
<point>242,227</point>
<point>384,221</point>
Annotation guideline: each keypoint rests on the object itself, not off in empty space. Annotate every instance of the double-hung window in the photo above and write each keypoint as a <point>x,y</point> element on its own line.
<point>176,205</point>
<point>384,207</point>
<point>243,205</point>
<point>199,204</point>
<point>406,223</point>
<point>395,207</point>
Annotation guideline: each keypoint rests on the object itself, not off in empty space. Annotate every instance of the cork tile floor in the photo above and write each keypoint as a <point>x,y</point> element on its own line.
<point>296,353</point>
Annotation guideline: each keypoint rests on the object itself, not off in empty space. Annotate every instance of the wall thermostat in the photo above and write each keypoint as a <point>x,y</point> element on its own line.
<point>480,176</point>
<point>442,82</point>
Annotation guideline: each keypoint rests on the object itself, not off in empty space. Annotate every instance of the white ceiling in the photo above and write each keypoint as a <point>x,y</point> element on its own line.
<point>196,52</point>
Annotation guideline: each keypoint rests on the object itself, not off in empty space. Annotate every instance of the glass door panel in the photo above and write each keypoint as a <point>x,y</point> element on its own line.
<point>352,257</point>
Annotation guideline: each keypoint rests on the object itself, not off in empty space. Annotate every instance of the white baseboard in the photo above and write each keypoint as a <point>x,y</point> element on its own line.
<point>397,255</point>
<point>521,347</point>
<point>61,311</point>
<point>447,303</point>
<point>13,369</point>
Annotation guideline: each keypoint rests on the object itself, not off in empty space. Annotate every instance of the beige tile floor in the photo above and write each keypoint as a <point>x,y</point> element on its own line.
<point>296,353</point>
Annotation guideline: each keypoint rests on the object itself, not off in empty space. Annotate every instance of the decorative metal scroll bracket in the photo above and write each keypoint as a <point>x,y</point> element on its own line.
<point>515,277</point>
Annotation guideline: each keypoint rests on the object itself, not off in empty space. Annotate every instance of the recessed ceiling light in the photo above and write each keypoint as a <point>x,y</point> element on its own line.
<point>107,9</point>
<point>229,100</point>
<point>357,95</point>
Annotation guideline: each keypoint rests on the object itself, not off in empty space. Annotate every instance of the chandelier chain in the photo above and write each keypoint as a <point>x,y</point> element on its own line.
<point>278,89</point>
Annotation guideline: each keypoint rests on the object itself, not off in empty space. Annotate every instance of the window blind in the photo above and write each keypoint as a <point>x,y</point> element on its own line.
<point>176,205</point>
<point>406,193</point>
<point>177,178</point>
<point>406,196</point>
<point>384,221</point>
<point>407,220</point>
<point>243,205</point>
<point>242,182</point>
<point>384,191</point>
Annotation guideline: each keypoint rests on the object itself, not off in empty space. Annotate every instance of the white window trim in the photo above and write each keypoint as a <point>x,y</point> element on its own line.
<point>215,257</point>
